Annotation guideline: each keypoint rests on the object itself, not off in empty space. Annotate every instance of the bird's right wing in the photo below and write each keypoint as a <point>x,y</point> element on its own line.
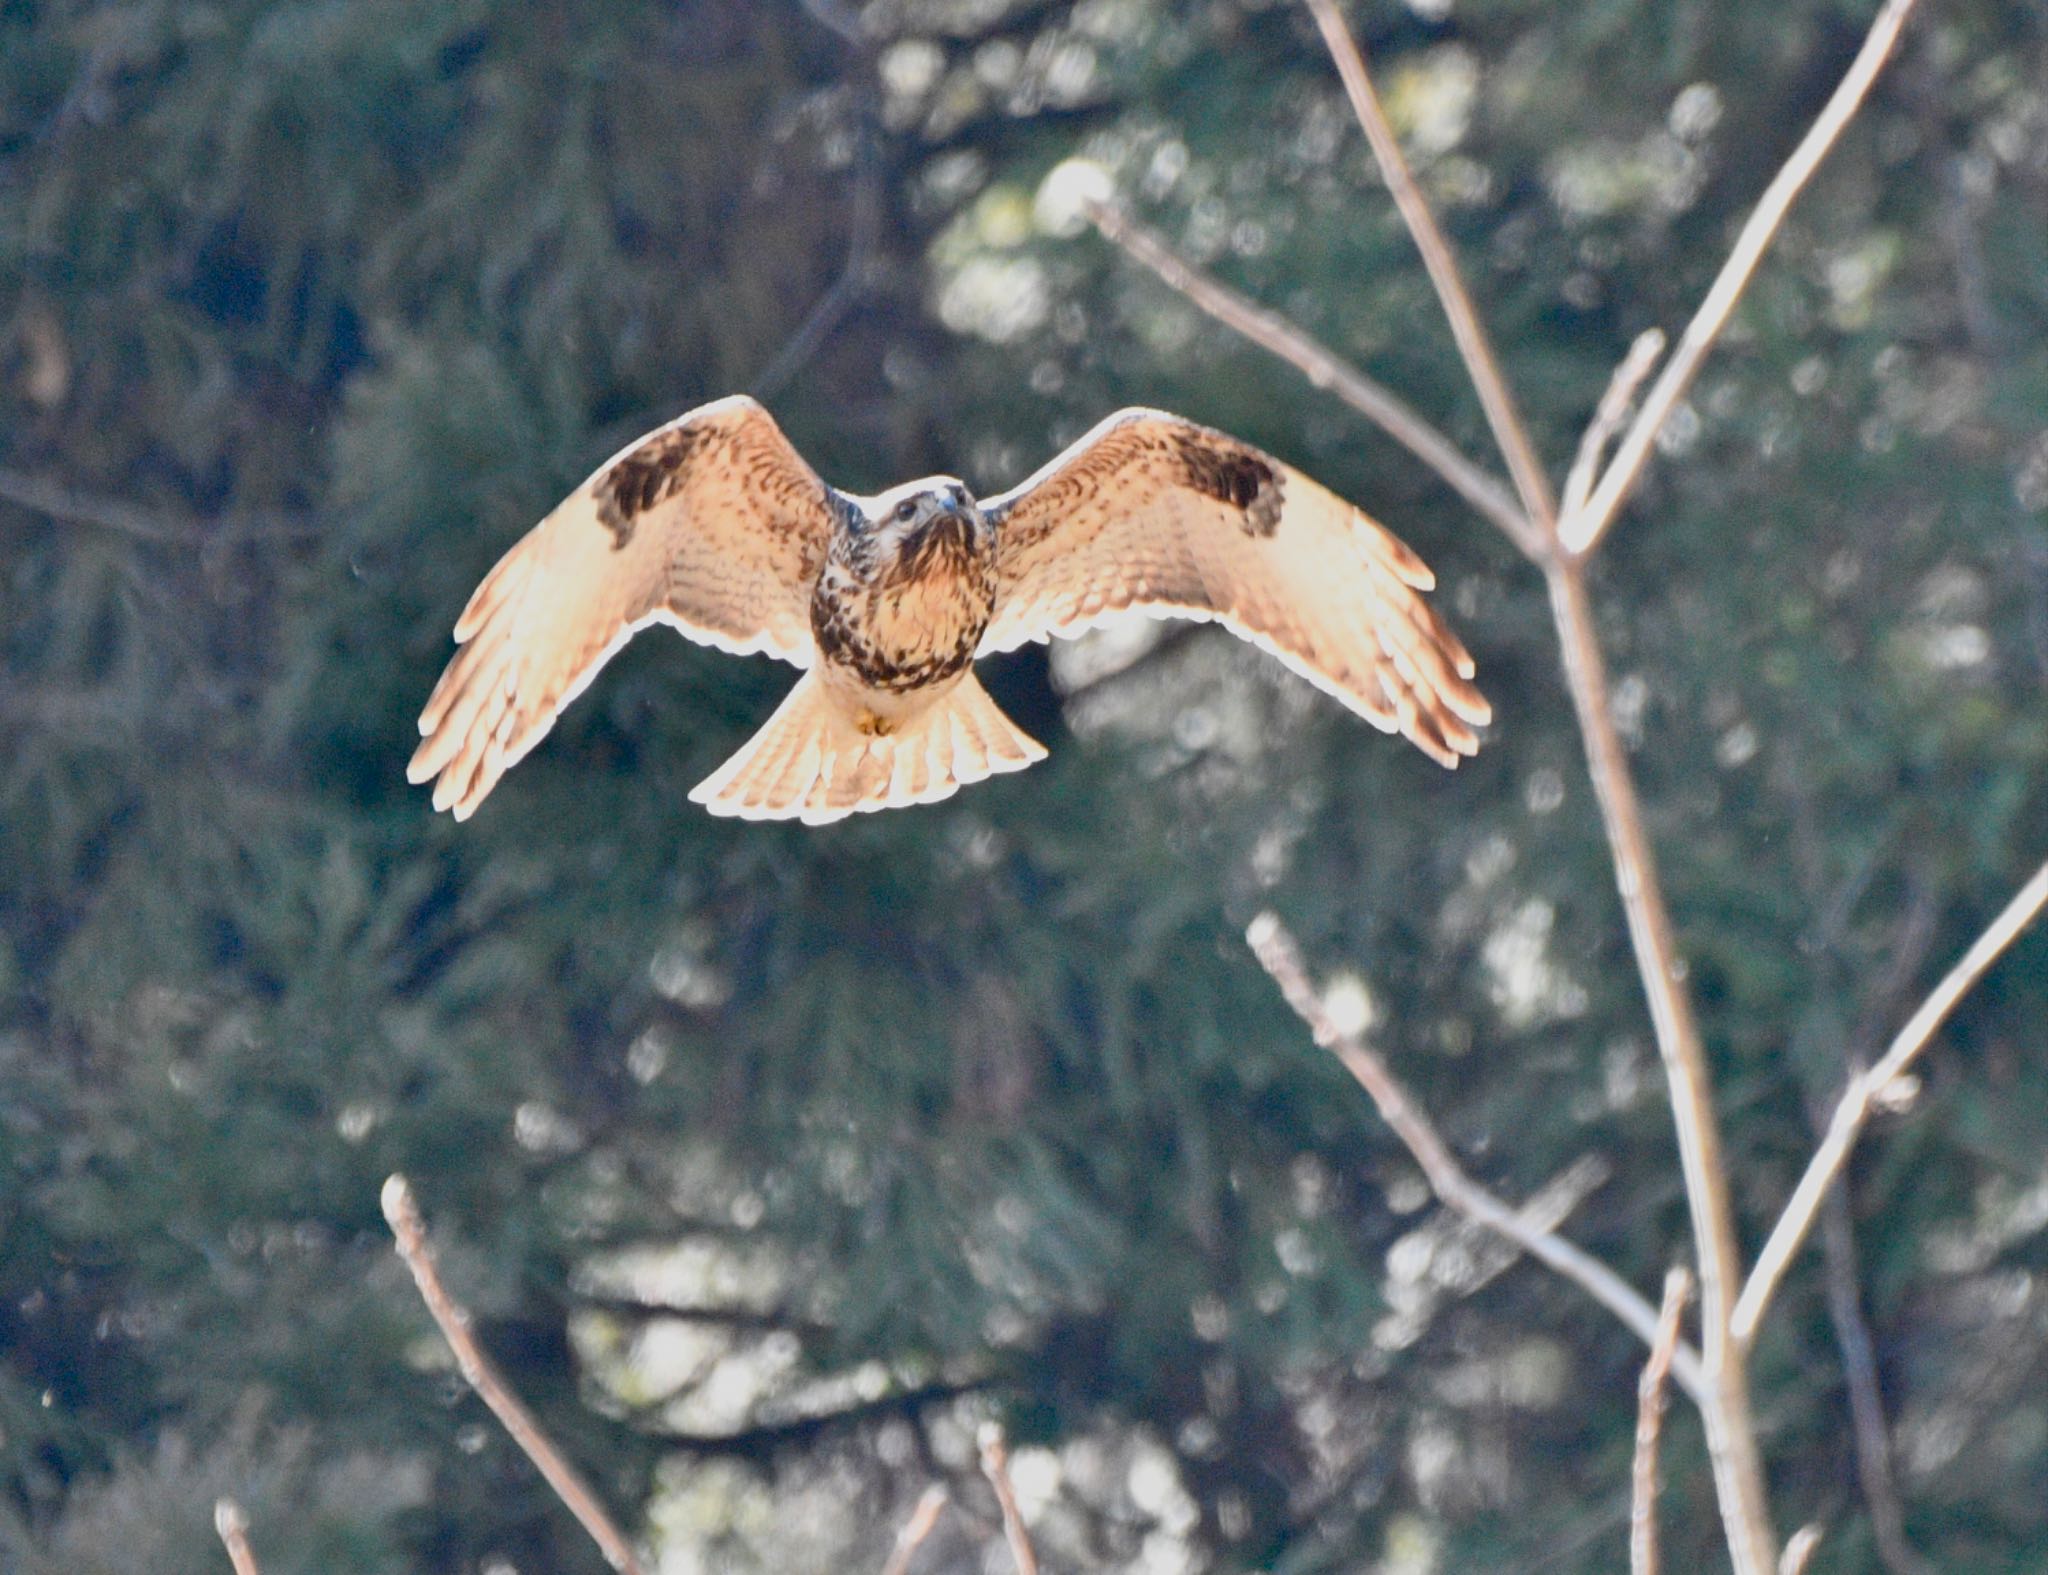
<point>1155,516</point>
<point>713,524</point>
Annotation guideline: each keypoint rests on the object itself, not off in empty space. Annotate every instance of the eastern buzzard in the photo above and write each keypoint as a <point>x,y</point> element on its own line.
<point>714,524</point>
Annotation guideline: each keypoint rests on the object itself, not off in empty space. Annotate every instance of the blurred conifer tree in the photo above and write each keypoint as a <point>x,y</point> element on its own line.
<point>312,308</point>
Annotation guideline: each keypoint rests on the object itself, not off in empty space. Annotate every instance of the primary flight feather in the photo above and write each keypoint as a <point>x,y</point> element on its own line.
<point>715,525</point>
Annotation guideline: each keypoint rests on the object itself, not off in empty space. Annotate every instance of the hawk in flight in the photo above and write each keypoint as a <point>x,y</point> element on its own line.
<point>715,525</point>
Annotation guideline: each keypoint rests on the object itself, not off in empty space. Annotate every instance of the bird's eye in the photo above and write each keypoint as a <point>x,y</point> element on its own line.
<point>905,510</point>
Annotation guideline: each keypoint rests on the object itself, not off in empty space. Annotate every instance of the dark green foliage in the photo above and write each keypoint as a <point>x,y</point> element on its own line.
<point>310,309</point>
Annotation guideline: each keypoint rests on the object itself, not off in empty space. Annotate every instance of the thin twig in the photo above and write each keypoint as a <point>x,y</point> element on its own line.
<point>1842,1272</point>
<point>1509,430</point>
<point>1871,1432</point>
<point>916,1529</point>
<point>995,1465</point>
<point>1799,1549</point>
<point>1905,956</point>
<point>232,1526</point>
<point>1278,954</point>
<point>482,1375</point>
<point>1731,1433</point>
<point>1642,1518</point>
<point>1323,367</point>
<point>1873,1087</point>
<point>1613,409</point>
<point>1582,530</point>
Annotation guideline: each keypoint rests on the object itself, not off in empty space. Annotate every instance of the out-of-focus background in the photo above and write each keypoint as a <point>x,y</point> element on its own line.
<point>774,1160</point>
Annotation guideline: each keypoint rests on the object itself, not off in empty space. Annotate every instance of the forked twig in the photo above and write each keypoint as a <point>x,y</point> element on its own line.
<point>1799,1549</point>
<point>915,1530</point>
<point>995,1465</point>
<point>1607,418</point>
<point>232,1526</point>
<point>482,1375</point>
<point>1642,1515</point>
<point>1323,367</point>
<point>1278,954</point>
<point>1581,530</point>
<point>1868,1088</point>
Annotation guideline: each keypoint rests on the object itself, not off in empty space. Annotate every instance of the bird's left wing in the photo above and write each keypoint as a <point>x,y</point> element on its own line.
<point>1150,514</point>
<point>713,524</point>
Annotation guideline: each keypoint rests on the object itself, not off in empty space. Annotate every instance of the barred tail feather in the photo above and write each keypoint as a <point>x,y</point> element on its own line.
<point>810,762</point>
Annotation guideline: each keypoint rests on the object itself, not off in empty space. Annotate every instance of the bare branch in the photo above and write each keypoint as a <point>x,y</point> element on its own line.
<point>1866,1401</point>
<point>1724,1403</point>
<point>1613,409</point>
<point>995,1465</point>
<point>1724,1392</point>
<point>915,1530</point>
<point>1582,529</point>
<point>1842,1272</point>
<point>1731,1434</point>
<point>482,1375</point>
<point>1738,1468</point>
<point>1873,1087</point>
<point>1278,954</point>
<point>1642,1517</point>
<point>1509,430</point>
<point>232,1526</point>
<point>1323,367</point>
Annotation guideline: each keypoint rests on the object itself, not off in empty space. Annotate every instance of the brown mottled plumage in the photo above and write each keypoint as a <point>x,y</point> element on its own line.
<point>714,524</point>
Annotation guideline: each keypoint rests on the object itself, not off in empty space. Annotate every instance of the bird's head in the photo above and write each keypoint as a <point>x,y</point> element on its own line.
<point>906,514</point>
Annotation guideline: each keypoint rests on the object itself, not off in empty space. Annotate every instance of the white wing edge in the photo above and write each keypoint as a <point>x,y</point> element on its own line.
<point>1164,612</point>
<point>588,675</point>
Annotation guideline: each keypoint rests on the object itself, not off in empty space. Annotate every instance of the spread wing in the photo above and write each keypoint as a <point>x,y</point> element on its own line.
<point>1149,514</point>
<point>713,524</point>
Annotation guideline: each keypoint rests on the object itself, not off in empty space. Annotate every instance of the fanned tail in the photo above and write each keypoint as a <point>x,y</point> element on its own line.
<point>810,762</point>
